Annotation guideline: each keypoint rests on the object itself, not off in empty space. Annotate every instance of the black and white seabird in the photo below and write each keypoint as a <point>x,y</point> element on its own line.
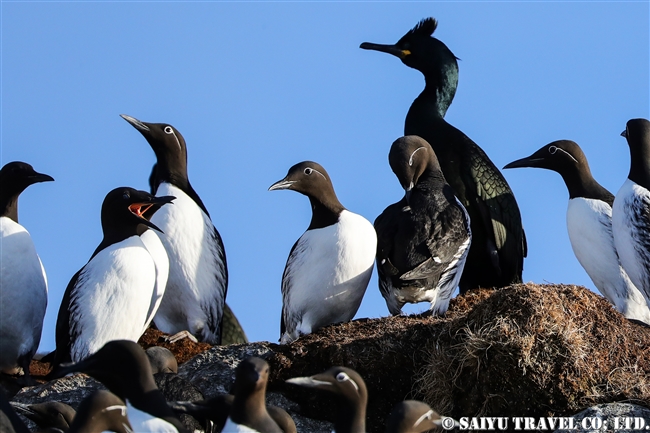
<point>498,248</point>
<point>116,294</point>
<point>213,413</point>
<point>351,394</point>
<point>49,414</point>
<point>123,367</point>
<point>589,223</point>
<point>248,412</point>
<point>329,266</point>
<point>23,297</point>
<point>198,276</point>
<point>232,332</point>
<point>631,210</point>
<point>413,416</point>
<point>424,239</point>
<point>101,411</point>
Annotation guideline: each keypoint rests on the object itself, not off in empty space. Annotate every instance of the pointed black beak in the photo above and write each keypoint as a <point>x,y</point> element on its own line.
<point>390,49</point>
<point>282,184</point>
<point>624,134</point>
<point>137,124</point>
<point>40,177</point>
<point>529,161</point>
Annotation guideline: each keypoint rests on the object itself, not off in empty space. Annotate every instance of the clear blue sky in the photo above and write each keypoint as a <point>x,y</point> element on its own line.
<point>257,87</point>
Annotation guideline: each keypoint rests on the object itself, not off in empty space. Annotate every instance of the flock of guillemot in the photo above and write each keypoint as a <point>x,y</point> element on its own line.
<point>161,259</point>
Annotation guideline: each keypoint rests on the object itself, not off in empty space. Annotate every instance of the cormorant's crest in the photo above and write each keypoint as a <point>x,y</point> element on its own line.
<point>425,27</point>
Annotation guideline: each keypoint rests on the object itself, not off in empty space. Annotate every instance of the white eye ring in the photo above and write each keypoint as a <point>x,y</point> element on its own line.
<point>553,150</point>
<point>308,171</point>
<point>342,377</point>
<point>168,130</point>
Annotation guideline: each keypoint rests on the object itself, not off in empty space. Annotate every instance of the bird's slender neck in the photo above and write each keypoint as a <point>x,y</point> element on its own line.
<point>325,212</point>
<point>437,95</point>
<point>581,183</point>
<point>351,418</point>
<point>254,406</point>
<point>9,207</point>
<point>640,165</point>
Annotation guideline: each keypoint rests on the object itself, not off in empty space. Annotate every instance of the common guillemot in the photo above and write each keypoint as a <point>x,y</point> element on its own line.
<point>631,210</point>
<point>23,298</point>
<point>123,367</point>
<point>589,224</point>
<point>198,275</point>
<point>115,295</point>
<point>351,395</point>
<point>330,265</point>
<point>248,412</point>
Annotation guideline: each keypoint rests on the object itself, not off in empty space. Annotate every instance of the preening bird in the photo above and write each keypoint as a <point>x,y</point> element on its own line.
<point>424,239</point>
<point>498,248</point>
<point>329,266</point>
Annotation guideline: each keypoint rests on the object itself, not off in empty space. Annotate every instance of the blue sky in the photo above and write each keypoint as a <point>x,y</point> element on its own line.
<point>257,87</point>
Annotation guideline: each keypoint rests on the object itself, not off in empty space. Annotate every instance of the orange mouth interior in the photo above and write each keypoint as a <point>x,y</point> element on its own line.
<point>139,208</point>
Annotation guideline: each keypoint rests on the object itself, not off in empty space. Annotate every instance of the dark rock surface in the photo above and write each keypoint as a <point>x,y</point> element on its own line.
<point>525,350</point>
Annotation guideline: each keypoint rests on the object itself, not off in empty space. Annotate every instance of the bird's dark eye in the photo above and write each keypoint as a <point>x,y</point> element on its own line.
<point>552,150</point>
<point>308,171</point>
<point>168,130</point>
<point>126,195</point>
<point>341,377</point>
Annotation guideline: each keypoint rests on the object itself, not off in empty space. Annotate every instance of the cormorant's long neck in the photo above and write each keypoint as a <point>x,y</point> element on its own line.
<point>437,95</point>
<point>9,207</point>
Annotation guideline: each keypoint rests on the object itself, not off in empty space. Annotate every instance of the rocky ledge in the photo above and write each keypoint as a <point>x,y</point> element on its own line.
<point>525,350</point>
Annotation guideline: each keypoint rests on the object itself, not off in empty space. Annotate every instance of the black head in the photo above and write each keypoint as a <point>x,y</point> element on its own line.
<point>251,376</point>
<point>409,158</point>
<point>101,411</point>
<point>308,178</point>
<point>566,158</point>
<point>14,178</point>
<point>169,146</point>
<point>311,179</point>
<point>418,49</point>
<point>345,382</point>
<point>637,130</point>
<point>127,210</point>
<point>412,416</point>
<point>637,134</point>
<point>121,365</point>
<point>562,156</point>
